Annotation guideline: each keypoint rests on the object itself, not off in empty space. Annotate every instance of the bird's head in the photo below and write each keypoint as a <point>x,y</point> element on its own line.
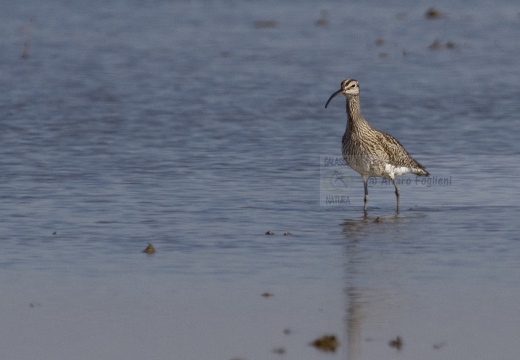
<point>349,88</point>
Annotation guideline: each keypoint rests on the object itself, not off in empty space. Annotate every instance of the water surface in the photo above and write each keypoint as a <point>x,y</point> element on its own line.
<point>186,125</point>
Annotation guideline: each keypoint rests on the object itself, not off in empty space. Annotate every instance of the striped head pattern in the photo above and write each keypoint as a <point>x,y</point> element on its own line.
<point>349,87</point>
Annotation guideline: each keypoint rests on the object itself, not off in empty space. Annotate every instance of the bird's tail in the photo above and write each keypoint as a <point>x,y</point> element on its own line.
<point>421,172</point>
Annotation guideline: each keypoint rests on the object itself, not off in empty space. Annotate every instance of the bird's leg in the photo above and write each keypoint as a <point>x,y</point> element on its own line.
<point>365,184</point>
<point>396,194</point>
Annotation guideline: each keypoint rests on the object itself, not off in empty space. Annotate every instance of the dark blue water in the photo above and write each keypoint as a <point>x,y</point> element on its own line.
<point>199,126</point>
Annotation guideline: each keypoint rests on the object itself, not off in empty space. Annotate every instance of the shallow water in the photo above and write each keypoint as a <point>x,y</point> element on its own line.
<point>185,125</point>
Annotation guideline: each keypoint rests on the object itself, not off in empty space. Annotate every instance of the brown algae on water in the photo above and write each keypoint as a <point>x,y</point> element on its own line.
<point>396,343</point>
<point>149,249</point>
<point>327,343</point>
<point>433,14</point>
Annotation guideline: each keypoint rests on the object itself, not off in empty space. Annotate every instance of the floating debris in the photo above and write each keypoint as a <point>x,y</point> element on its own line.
<point>432,14</point>
<point>439,345</point>
<point>287,331</point>
<point>327,343</point>
<point>323,20</point>
<point>378,220</point>
<point>287,234</point>
<point>267,294</point>
<point>397,343</point>
<point>149,249</point>
<point>437,45</point>
<point>279,350</point>
<point>380,42</point>
<point>265,24</point>
<point>269,232</point>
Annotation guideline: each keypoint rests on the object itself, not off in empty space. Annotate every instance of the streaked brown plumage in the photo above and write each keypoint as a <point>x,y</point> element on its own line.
<point>369,151</point>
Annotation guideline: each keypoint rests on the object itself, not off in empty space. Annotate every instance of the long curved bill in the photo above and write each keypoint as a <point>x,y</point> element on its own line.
<point>333,95</point>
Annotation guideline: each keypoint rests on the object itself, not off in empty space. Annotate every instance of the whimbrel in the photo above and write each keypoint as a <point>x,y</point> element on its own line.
<point>371,152</point>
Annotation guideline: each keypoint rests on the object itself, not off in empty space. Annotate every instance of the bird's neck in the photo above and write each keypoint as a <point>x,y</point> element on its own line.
<point>355,120</point>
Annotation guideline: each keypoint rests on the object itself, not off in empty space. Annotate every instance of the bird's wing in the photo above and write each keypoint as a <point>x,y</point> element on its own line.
<point>397,154</point>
